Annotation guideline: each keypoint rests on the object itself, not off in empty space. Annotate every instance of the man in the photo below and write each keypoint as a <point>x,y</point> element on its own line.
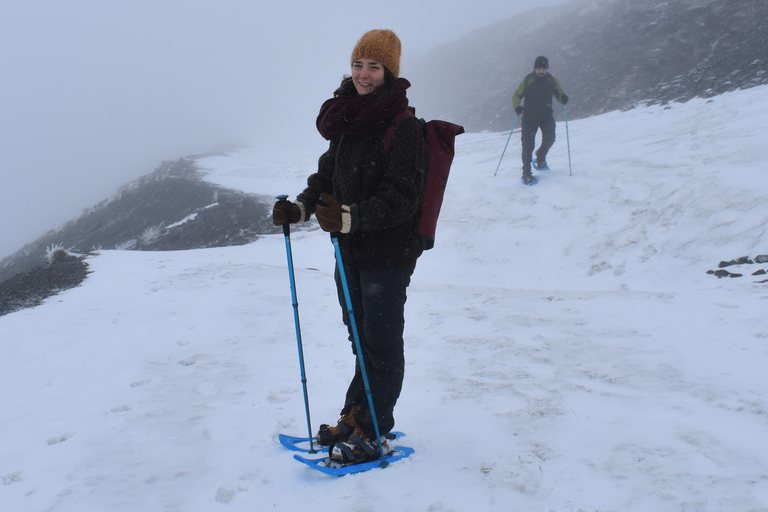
<point>537,89</point>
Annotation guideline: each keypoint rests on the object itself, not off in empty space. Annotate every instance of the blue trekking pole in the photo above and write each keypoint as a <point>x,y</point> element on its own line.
<point>359,350</point>
<point>507,144</point>
<point>568,138</point>
<point>287,233</point>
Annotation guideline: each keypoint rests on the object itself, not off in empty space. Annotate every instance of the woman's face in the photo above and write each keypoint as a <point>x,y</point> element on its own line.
<point>367,75</point>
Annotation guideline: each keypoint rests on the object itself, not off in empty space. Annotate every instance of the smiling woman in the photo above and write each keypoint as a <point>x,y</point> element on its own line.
<point>370,205</point>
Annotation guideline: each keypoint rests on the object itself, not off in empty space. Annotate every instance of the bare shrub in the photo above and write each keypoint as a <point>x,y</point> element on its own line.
<point>56,252</point>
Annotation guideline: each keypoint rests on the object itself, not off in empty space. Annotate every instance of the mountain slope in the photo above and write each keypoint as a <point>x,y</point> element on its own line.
<point>608,54</point>
<point>566,349</point>
<point>169,209</point>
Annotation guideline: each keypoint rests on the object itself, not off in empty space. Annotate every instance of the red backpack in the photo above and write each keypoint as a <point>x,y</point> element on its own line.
<point>439,139</point>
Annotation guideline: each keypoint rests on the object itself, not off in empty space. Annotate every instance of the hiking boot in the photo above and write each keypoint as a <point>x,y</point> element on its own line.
<point>528,178</point>
<point>359,447</point>
<point>541,164</point>
<point>328,435</point>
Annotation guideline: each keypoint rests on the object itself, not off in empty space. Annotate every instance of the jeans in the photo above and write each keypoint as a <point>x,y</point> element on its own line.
<point>378,302</point>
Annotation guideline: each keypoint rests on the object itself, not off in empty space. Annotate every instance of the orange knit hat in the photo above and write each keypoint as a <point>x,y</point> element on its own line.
<point>382,46</point>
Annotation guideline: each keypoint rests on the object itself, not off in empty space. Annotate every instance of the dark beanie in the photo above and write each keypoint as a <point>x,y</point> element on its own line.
<point>541,62</point>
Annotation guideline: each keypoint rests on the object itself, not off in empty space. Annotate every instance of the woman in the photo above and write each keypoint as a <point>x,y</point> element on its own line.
<point>370,201</point>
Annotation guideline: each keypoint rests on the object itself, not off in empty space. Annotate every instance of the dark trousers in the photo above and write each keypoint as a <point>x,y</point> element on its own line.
<point>378,303</point>
<point>528,138</point>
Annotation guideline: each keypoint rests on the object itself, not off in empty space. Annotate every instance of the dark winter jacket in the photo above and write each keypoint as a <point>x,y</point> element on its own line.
<point>385,191</point>
<point>538,92</point>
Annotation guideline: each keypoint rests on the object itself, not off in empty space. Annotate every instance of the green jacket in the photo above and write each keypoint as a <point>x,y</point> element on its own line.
<point>537,93</point>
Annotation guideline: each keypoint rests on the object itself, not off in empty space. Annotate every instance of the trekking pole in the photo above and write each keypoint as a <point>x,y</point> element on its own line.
<point>359,350</point>
<point>507,144</point>
<point>568,138</point>
<point>287,233</point>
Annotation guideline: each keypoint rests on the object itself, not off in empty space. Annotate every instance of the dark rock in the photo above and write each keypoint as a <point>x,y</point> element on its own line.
<point>29,289</point>
<point>744,260</point>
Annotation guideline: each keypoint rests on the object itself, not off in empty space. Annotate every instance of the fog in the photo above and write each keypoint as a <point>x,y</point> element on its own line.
<point>94,93</point>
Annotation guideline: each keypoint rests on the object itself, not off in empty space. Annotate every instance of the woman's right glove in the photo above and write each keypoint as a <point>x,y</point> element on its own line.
<point>286,212</point>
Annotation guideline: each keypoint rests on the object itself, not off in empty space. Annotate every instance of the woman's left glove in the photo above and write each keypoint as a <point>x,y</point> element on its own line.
<point>334,217</point>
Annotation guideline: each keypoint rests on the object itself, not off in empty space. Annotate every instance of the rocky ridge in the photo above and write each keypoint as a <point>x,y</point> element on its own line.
<point>172,208</point>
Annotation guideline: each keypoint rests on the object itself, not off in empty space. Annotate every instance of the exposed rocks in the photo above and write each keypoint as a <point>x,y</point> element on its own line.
<point>743,260</point>
<point>30,288</point>
<point>740,261</point>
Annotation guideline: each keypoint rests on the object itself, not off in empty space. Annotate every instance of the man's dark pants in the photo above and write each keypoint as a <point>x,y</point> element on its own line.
<point>528,137</point>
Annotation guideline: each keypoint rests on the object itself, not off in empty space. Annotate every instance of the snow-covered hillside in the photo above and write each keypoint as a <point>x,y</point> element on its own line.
<point>566,348</point>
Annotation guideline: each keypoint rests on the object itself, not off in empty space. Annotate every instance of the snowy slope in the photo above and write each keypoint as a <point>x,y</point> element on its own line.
<point>566,349</point>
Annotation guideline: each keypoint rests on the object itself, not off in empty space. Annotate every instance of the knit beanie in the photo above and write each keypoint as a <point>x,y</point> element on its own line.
<point>541,62</point>
<point>380,45</point>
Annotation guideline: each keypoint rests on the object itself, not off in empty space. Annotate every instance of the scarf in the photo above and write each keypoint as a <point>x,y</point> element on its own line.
<point>348,112</point>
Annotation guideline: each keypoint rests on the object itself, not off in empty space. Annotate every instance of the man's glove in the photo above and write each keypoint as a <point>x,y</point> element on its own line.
<point>565,99</point>
<point>519,110</point>
<point>286,212</point>
<point>333,216</point>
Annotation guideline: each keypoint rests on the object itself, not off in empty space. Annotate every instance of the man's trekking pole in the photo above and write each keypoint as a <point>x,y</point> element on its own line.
<point>568,138</point>
<point>507,144</point>
<point>287,233</point>
<point>358,348</point>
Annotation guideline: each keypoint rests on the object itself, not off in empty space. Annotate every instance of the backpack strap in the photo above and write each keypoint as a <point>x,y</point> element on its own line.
<point>389,135</point>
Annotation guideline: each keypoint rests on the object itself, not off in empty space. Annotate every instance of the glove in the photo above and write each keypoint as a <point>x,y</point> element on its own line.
<point>565,99</point>
<point>519,110</point>
<point>333,216</point>
<point>285,212</point>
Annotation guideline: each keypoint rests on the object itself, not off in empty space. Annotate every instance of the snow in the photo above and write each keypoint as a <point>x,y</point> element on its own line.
<point>566,349</point>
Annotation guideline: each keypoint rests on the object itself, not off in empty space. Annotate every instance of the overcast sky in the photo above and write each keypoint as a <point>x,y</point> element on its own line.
<point>94,93</point>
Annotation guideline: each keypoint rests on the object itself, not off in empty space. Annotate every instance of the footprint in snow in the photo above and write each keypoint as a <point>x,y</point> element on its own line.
<point>11,478</point>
